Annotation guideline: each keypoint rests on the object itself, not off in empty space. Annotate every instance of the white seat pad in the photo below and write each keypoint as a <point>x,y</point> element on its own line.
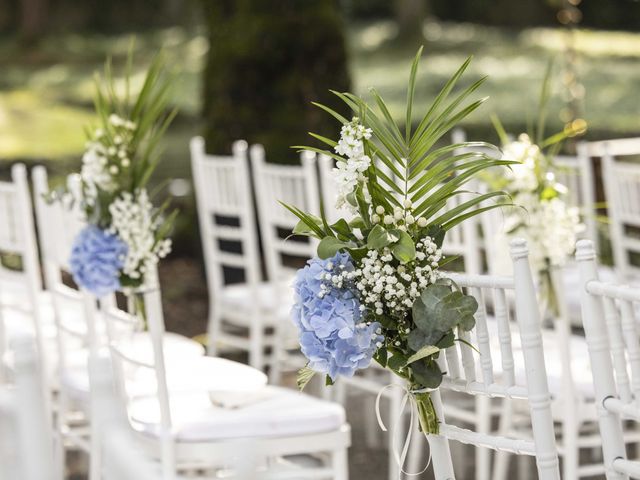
<point>580,364</point>
<point>274,300</point>
<point>278,412</point>
<point>139,348</point>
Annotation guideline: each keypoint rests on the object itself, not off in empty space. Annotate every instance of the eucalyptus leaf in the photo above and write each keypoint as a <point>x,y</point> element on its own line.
<point>329,246</point>
<point>427,373</point>
<point>424,352</point>
<point>379,237</point>
<point>396,361</point>
<point>404,249</point>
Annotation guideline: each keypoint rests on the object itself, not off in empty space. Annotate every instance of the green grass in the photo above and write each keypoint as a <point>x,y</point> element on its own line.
<point>45,95</point>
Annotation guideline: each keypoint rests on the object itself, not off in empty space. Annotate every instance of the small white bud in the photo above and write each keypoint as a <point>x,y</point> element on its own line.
<point>113,169</point>
<point>380,210</point>
<point>398,215</point>
<point>410,220</point>
<point>422,222</point>
<point>407,203</point>
<point>375,218</point>
<point>388,219</point>
<point>125,162</point>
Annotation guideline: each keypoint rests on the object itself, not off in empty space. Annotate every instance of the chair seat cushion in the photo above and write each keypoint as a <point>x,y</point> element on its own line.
<point>274,301</point>
<point>277,412</point>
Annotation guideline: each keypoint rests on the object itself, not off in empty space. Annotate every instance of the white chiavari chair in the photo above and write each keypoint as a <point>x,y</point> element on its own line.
<point>611,325</point>
<point>26,438</point>
<point>76,337</point>
<point>621,175</point>
<point>202,409</point>
<point>242,314</point>
<point>20,289</point>
<point>284,254</point>
<point>510,365</point>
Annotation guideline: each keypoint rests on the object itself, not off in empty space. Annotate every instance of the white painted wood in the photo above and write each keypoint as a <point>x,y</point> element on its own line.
<point>26,439</point>
<point>223,191</point>
<point>603,328</point>
<point>622,191</point>
<point>175,452</point>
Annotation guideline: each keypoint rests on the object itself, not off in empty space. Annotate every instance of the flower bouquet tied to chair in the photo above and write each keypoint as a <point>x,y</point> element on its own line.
<point>376,289</point>
<point>125,235</point>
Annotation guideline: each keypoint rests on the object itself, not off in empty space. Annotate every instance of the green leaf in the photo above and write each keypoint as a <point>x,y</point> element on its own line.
<point>418,338</point>
<point>381,357</point>
<point>440,309</point>
<point>357,222</point>
<point>410,92</point>
<point>379,237</point>
<point>341,227</point>
<point>404,249</point>
<point>396,361</point>
<point>329,246</point>
<point>427,373</point>
<point>302,228</point>
<point>328,381</point>
<point>424,352</point>
<point>305,374</point>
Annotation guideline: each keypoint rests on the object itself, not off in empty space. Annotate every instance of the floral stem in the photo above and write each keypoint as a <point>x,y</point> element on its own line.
<point>427,414</point>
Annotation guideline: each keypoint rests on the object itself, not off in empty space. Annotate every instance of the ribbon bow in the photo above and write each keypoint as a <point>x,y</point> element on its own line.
<point>400,454</point>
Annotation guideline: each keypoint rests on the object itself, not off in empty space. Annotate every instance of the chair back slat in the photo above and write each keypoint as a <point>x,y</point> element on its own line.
<point>293,185</point>
<point>482,336</point>
<point>616,342</point>
<point>504,336</point>
<point>610,324</point>
<point>531,385</point>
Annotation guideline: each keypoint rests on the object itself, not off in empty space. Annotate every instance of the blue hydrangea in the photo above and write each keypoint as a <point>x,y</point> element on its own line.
<point>97,258</point>
<point>333,334</point>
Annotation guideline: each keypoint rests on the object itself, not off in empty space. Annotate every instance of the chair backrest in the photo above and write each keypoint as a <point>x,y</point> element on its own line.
<point>588,152</point>
<point>26,436</point>
<point>293,185</point>
<point>18,237</point>
<point>58,224</point>
<point>122,458</point>
<point>622,191</point>
<point>610,318</point>
<point>226,214</point>
<point>127,361</point>
<point>510,365</point>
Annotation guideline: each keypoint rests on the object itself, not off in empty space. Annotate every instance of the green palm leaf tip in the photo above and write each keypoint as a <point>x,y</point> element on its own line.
<point>417,167</point>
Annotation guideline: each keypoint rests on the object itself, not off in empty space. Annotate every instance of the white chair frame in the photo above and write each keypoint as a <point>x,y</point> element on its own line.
<point>223,188</point>
<point>175,455</point>
<point>612,334</point>
<point>17,236</point>
<point>26,409</point>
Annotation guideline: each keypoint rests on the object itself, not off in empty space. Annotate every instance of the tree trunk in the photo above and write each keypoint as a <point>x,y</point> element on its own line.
<point>410,16</point>
<point>33,14</point>
<point>267,62</point>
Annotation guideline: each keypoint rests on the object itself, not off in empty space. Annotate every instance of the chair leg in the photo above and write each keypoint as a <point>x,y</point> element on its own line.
<point>395,402</point>
<point>214,328</point>
<point>570,460</point>
<point>95,457</point>
<point>340,464</point>
<point>256,348</point>
<point>483,455</point>
<point>501,466</point>
<point>416,456</point>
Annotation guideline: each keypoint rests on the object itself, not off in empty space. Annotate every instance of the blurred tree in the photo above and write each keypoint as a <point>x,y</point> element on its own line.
<point>33,16</point>
<point>410,16</point>
<point>267,62</point>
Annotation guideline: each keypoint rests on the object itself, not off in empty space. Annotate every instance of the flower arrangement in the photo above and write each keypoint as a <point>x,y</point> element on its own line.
<point>126,235</point>
<point>546,219</point>
<point>376,290</point>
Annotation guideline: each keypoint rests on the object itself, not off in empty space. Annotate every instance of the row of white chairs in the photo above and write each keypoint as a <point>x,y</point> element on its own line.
<point>188,411</point>
<point>301,186</point>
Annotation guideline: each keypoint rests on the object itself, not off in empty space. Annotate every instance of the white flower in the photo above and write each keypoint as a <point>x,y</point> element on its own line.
<point>350,172</point>
<point>93,170</point>
<point>134,222</point>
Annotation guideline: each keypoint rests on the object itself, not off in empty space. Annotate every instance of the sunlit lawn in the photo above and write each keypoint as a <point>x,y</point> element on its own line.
<point>45,96</point>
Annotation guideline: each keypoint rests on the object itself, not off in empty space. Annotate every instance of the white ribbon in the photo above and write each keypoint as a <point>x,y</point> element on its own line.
<point>400,454</point>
